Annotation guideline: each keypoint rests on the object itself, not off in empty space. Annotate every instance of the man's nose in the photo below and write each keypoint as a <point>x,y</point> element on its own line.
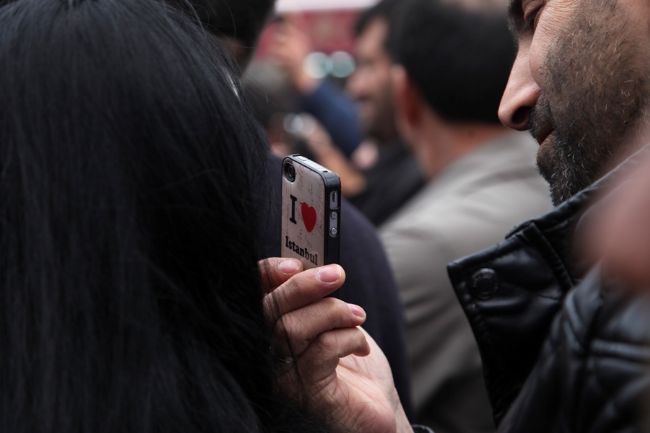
<point>520,95</point>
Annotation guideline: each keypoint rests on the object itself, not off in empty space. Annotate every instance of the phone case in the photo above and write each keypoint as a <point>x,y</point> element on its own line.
<point>311,212</point>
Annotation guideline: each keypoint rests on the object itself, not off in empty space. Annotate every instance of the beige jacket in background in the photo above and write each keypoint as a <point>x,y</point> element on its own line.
<point>469,206</point>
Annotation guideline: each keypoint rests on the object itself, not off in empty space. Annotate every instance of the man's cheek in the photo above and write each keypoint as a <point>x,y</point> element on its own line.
<point>553,24</point>
<point>538,52</point>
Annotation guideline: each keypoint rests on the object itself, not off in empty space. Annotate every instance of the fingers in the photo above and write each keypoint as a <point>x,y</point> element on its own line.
<point>321,358</point>
<point>312,330</point>
<point>300,290</point>
<point>625,252</point>
<point>316,367</point>
<point>616,233</point>
<point>295,331</point>
<point>275,271</point>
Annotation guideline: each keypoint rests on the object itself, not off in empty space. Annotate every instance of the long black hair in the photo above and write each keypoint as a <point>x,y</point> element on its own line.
<point>129,293</point>
<point>241,21</point>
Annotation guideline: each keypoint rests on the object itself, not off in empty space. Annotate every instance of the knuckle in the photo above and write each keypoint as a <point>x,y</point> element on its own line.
<point>304,286</point>
<point>328,343</point>
<point>272,306</point>
<point>333,304</point>
<point>338,311</point>
<point>289,334</point>
<point>280,330</point>
<point>291,287</point>
<point>267,306</point>
<point>337,308</point>
<point>290,327</point>
<point>360,338</point>
<point>265,274</point>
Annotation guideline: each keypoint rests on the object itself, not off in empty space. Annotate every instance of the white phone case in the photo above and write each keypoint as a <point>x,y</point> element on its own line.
<point>311,212</point>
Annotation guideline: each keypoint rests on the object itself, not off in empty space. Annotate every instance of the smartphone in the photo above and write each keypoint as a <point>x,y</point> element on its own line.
<point>311,212</point>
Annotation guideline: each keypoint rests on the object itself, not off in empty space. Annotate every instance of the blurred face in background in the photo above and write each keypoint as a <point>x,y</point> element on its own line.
<point>579,84</point>
<point>371,84</point>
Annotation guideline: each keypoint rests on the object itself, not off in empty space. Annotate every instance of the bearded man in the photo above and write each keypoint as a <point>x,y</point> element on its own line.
<point>564,349</point>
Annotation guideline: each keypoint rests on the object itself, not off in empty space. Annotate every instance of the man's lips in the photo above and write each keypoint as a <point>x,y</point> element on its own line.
<point>540,121</point>
<point>543,135</point>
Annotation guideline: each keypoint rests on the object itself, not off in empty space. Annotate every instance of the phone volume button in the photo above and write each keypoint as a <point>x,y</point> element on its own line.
<point>334,224</point>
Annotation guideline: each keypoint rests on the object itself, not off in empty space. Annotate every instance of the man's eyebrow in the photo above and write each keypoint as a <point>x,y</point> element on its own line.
<point>515,15</point>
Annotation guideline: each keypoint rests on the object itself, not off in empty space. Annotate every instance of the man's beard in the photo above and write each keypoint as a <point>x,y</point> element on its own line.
<point>596,90</point>
<point>382,125</point>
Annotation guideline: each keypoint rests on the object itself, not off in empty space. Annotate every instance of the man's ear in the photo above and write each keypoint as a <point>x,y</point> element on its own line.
<point>408,102</point>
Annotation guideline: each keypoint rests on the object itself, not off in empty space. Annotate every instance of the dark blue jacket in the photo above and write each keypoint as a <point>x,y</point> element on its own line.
<point>338,115</point>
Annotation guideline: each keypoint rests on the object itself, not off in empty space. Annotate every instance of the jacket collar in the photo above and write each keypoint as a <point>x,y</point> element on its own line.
<point>564,223</point>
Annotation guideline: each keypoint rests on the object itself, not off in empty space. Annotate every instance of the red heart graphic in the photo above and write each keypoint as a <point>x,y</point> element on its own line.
<point>308,216</point>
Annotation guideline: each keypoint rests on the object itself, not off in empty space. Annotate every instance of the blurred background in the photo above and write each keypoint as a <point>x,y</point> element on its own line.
<point>299,86</point>
<point>328,24</point>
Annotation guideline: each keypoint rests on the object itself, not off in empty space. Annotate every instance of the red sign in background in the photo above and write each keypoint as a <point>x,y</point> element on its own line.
<point>329,31</point>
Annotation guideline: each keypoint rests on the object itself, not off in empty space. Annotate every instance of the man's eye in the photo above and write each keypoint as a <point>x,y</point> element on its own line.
<point>531,18</point>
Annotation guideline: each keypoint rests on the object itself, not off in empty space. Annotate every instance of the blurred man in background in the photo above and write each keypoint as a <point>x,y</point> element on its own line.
<point>303,114</point>
<point>324,100</point>
<point>369,281</point>
<point>395,176</point>
<point>453,65</point>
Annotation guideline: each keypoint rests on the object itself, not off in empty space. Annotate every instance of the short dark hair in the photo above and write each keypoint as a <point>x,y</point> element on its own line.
<point>241,20</point>
<point>459,59</point>
<point>382,10</point>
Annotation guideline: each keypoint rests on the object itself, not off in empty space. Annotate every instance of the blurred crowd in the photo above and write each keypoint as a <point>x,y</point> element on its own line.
<point>493,271</point>
<point>415,137</point>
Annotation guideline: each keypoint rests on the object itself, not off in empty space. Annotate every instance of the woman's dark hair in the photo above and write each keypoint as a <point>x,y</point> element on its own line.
<point>240,20</point>
<point>129,294</point>
<point>459,59</point>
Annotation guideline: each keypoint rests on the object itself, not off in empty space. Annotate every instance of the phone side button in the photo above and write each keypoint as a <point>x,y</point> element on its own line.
<point>334,224</point>
<point>334,200</point>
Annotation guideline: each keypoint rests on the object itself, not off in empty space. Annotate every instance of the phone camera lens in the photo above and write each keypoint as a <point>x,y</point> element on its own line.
<point>289,171</point>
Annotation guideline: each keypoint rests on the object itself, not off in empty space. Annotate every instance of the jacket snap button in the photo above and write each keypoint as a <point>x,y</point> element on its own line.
<point>484,283</point>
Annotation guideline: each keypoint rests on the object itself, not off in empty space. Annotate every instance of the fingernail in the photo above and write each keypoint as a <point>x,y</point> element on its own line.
<point>289,266</point>
<point>357,311</point>
<point>329,274</point>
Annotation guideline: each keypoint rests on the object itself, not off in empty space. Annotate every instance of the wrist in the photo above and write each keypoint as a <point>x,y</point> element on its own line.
<point>402,422</point>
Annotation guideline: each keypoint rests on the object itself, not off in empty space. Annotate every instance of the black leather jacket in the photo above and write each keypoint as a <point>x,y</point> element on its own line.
<point>559,355</point>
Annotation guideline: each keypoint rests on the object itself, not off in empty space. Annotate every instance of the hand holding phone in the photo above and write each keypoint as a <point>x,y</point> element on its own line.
<point>311,212</point>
